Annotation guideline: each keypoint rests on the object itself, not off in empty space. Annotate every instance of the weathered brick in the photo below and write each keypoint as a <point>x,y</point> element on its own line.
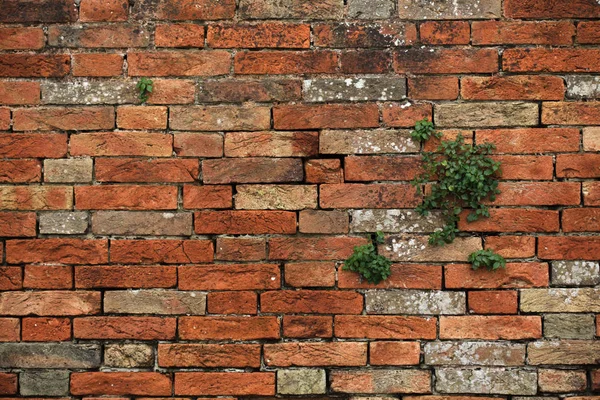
<point>433,88</point>
<point>358,195</point>
<point>184,10</point>
<point>571,113</point>
<point>525,167</point>
<point>220,118</point>
<point>310,274</point>
<point>291,9</point>
<point>63,118</point>
<point>588,32</point>
<point>515,275</point>
<point>366,142</point>
<point>67,170</point>
<point>84,92</point>
<point>44,383</point>
<point>551,60</point>
<point>474,353</point>
<point>241,249</point>
<point>229,277</point>
<point>172,63</point>
<point>173,91</point>
<point>538,193</point>
<point>209,355</point>
<point>276,197</point>
<point>146,170</point>
<point>10,330</point>
<point>195,144</point>
<point>311,302</point>
<point>301,381</point>
<point>523,32</point>
<point>103,10</point>
<point>290,117</point>
<point>403,276</point>
<point>360,34</point>
<point>141,223</point>
<point>263,35</point>
<point>378,168</point>
<point>11,278</point>
<point>161,251</point>
<point>366,62</point>
<point>550,9</point>
<point>49,303</point>
<point>591,193</point>
<point>310,326</point>
<point>567,352</point>
<point>23,11</point>
<point>415,302</point>
<point>244,222</point>
<point>120,197</point>
<point>569,248</point>
<point>561,381</point>
<point>104,36</point>
<point>405,114</point>
<point>361,89</point>
<point>577,165</point>
<point>46,329</point>
<point>591,139</point>
<point>560,300</point>
<point>134,328</point>
<point>377,9</point>
<point>228,328</point>
<point>531,140</point>
<point>491,327</point>
<point>128,355</point>
<point>569,326</point>
<point>445,32</point>
<point>207,196</point>
<point>582,87</point>
<point>493,302</point>
<point>17,224</point>
<point>8,383</point>
<point>415,248</point>
<point>34,65</point>
<point>478,9</point>
<point>225,383</point>
<point>131,383</point>
<point>325,170</point>
<point>381,381</point>
<point>19,93</point>
<point>285,62</point>
<point>318,221</point>
<point>313,248</point>
<point>252,170</point>
<point>486,114</point>
<point>20,171</point>
<point>315,354</point>
<point>142,117</point>
<point>97,64</point>
<point>511,246</point>
<point>394,353</point>
<point>271,144</point>
<point>49,355</point>
<point>119,276</point>
<point>486,380</point>
<point>510,220</point>
<point>446,61</point>
<point>238,302</point>
<point>241,90</point>
<point>179,35</point>
<point>154,302</point>
<point>65,251</point>
<point>515,87</point>
<point>579,273</point>
<point>48,277</point>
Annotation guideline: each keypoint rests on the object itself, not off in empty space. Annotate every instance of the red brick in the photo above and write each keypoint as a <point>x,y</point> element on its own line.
<point>317,116</point>
<point>271,144</point>
<point>491,327</point>
<point>445,32</point>
<point>512,246</point>
<point>179,35</point>
<point>97,64</point>
<point>551,60</point>
<point>513,220</point>
<point>36,197</point>
<point>581,220</point>
<point>198,144</point>
<point>11,278</point>
<point>307,327</point>
<point>323,171</point>
<point>571,113</point>
<point>404,276</point>
<point>103,10</point>
<point>35,65</point>
<point>33,145</point>
<point>46,329</point>
<point>311,302</point>
<point>368,196</point>
<point>596,380</point>
<point>515,275</point>
<point>337,354</point>
<point>588,32</point>
<point>263,35</point>
<point>121,197</point>
<point>241,249</point>
<point>63,118</point>
<point>285,62</point>
<point>394,353</point>
<point>313,248</point>
<point>365,62</point>
<point>19,92</point>
<point>5,118</point>
<point>8,383</point>
<point>181,10</point>
<point>22,38</point>
<point>48,277</point>
<point>526,167</point>
<point>493,302</point>
<point>531,140</point>
<point>9,330</point>
<point>173,91</point>
<point>523,32</point>
<point>238,302</point>
<point>361,34</point>
<point>146,170</point>
<point>515,87</point>
<point>229,277</point>
<point>16,224</point>
<point>551,9</point>
<point>446,61</point>
<point>578,165</point>
<point>310,274</point>
<point>228,328</point>
<point>140,117</point>
<point>569,247</point>
<point>266,9</point>
<point>127,277</point>
<point>225,383</point>
<point>116,383</point>
<point>320,221</point>
<point>161,251</point>
<point>591,193</point>
<point>433,88</point>
<point>65,251</point>
<point>209,355</point>
<point>122,144</point>
<point>134,328</point>
<point>381,168</point>
<point>171,63</point>
<point>208,196</point>
<point>538,193</point>
<point>245,222</point>
<point>23,11</point>
<point>384,327</point>
<point>404,115</point>
<point>50,302</point>
<point>100,36</point>
<point>381,381</point>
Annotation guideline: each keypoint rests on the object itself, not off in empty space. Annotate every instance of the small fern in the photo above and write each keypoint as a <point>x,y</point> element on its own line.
<point>145,87</point>
<point>371,266</point>
<point>486,258</point>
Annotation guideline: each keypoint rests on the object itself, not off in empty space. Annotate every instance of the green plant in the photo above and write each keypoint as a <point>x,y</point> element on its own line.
<point>461,176</point>
<point>488,259</point>
<point>145,86</point>
<point>370,265</point>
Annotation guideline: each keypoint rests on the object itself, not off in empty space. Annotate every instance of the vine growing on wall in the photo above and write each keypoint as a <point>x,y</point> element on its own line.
<point>368,263</point>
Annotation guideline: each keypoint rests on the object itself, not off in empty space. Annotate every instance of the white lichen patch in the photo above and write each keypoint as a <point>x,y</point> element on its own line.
<point>354,89</point>
<point>378,141</point>
<point>396,220</point>
<point>415,302</point>
<point>89,92</point>
<point>575,273</point>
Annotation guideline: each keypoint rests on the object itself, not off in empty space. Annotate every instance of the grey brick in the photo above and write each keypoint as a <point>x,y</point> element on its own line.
<point>63,223</point>
<point>128,355</point>
<point>569,326</point>
<point>49,355</point>
<point>486,380</point>
<point>415,302</point>
<point>78,170</point>
<point>578,273</point>
<point>90,92</point>
<point>474,353</point>
<point>44,383</point>
<point>301,381</point>
<point>354,89</point>
<point>408,221</point>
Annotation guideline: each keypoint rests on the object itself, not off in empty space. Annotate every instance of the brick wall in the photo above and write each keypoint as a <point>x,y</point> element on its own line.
<point>192,246</point>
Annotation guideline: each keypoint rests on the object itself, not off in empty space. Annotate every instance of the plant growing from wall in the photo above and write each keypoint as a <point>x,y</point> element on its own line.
<point>368,263</point>
<point>459,176</point>
<point>144,87</point>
